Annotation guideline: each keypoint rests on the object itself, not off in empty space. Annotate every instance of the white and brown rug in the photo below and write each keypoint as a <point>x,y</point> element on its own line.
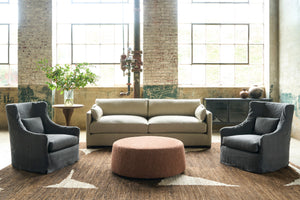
<point>204,178</point>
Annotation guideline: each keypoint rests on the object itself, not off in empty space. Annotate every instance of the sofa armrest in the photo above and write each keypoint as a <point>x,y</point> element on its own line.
<point>89,120</point>
<point>209,122</point>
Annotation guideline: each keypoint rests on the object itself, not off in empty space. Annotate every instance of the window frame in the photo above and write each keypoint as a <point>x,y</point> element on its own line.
<point>220,63</point>
<point>8,44</point>
<point>97,24</point>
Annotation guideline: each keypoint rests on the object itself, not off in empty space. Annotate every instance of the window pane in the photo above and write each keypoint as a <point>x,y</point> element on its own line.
<point>184,33</point>
<point>13,56</point>
<point>256,33</point>
<point>3,34</point>
<point>184,54</point>
<point>212,34</point>
<point>256,54</point>
<point>107,54</point>
<point>241,34</point>
<point>63,33</point>
<point>199,33</point>
<point>107,74</point>
<point>63,54</point>
<point>185,72</point>
<point>212,75</point>
<point>227,53</point>
<point>92,54</point>
<point>4,75</point>
<point>241,54</point>
<point>4,54</point>
<point>227,75</point>
<point>199,53</point>
<point>212,53</point>
<point>255,77</point>
<point>241,75</point>
<point>198,75</point>
<point>79,53</point>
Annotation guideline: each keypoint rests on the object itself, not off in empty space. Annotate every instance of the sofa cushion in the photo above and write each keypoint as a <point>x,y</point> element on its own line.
<point>120,124</point>
<point>176,124</point>
<point>173,107</point>
<point>265,125</point>
<point>34,124</point>
<point>97,112</point>
<point>61,141</point>
<point>200,112</point>
<point>137,107</point>
<point>246,142</point>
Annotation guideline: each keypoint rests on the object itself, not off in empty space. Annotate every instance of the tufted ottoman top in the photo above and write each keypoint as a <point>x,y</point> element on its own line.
<point>148,157</point>
<point>148,143</point>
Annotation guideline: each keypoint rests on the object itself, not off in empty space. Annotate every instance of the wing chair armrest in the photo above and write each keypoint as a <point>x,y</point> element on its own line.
<point>275,142</point>
<point>243,128</point>
<point>54,128</point>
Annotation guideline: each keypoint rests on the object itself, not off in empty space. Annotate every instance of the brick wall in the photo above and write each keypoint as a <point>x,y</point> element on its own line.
<point>160,43</point>
<point>34,44</point>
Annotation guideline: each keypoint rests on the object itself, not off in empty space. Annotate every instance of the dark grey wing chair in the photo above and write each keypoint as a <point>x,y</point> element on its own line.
<point>37,143</point>
<point>261,143</point>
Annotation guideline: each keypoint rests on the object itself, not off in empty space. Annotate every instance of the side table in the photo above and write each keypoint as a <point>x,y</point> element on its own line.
<point>68,110</point>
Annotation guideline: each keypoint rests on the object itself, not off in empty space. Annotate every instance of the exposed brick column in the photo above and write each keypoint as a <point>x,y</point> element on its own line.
<point>34,44</point>
<point>160,49</point>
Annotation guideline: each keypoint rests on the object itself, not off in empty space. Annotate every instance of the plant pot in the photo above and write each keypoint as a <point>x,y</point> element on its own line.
<point>255,92</point>
<point>244,93</point>
<point>68,97</point>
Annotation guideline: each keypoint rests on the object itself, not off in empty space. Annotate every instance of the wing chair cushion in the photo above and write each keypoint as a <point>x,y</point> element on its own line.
<point>265,125</point>
<point>61,141</point>
<point>34,124</point>
<point>246,142</point>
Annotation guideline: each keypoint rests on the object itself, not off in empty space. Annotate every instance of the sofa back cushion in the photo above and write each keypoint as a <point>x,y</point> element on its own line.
<point>123,106</point>
<point>173,107</point>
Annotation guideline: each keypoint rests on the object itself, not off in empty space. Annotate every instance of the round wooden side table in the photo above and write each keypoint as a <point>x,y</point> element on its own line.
<point>68,110</point>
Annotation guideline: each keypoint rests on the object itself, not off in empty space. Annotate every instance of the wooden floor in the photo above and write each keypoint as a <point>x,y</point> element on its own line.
<point>5,158</point>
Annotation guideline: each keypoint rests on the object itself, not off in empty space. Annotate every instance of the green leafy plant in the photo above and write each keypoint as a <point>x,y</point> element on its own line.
<point>67,77</point>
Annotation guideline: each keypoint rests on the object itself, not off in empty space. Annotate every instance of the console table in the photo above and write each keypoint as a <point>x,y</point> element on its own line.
<point>229,111</point>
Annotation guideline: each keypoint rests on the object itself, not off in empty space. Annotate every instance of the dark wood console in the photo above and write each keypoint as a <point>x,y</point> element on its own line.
<point>229,111</point>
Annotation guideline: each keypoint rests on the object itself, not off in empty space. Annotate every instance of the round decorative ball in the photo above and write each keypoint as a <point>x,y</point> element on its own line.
<point>244,93</point>
<point>255,92</point>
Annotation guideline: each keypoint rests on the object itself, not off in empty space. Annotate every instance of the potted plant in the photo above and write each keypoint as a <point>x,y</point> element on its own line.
<point>67,77</point>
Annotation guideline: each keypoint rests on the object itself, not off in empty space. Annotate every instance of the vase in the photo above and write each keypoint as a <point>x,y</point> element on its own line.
<point>68,97</point>
<point>244,93</point>
<point>255,92</point>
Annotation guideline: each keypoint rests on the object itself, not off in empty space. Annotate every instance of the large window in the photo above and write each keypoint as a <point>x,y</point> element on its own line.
<point>96,32</point>
<point>221,43</point>
<point>98,43</point>
<point>8,43</point>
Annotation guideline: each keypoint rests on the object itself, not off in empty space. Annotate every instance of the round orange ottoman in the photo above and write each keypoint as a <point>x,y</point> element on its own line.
<point>148,157</point>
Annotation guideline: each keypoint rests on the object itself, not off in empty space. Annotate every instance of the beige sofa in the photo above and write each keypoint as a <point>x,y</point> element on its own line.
<point>113,119</point>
